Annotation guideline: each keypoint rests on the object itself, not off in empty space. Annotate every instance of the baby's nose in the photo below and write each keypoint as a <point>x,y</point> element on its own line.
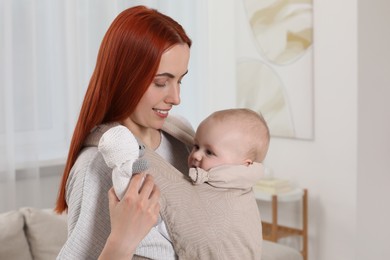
<point>197,156</point>
<point>191,160</point>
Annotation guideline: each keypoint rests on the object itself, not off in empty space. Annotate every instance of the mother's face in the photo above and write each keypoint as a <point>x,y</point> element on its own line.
<point>164,91</point>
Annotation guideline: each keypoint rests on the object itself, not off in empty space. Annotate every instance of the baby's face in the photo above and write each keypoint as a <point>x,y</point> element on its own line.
<point>216,144</point>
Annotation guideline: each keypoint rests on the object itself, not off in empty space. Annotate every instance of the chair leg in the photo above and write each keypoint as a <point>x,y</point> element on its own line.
<point>305,225</point>
<point>274,229</point>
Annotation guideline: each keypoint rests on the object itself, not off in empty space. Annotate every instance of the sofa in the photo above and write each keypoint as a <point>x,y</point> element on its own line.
<point>38,234</point>
<point>30,233</point>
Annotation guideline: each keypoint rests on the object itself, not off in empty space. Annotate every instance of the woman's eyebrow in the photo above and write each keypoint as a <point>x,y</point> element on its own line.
<point>169,75</point>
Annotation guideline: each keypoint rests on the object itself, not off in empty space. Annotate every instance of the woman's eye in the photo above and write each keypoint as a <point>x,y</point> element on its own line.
<point>160,83</point>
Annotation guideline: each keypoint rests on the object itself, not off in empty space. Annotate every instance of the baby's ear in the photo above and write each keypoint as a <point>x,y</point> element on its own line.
<point>248,162</point>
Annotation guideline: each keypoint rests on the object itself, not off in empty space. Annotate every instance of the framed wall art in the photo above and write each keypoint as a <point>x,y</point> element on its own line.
<point>275,64</point>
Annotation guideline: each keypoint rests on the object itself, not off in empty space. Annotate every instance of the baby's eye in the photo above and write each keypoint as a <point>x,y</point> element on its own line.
<point>195,147</point>
<point>209,152</point>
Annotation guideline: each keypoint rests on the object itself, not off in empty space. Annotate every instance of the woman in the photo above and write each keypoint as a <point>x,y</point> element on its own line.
<point>141,62</point>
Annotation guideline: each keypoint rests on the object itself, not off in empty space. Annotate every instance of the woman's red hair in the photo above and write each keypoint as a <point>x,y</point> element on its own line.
<point>127,62</point>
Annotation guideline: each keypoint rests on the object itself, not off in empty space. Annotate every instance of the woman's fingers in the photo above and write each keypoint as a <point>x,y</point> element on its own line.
<point>147,187</point>
<point>134,215</point>
<point>112,199</point>
<point>155,194</point>
<point>150,195</point>
<point>155,198</point>
<point>136,182</point>
<point>144,195</point>
<point>151,192</point>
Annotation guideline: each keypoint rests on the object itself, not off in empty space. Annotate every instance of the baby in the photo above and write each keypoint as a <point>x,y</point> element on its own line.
<point>227,138</point>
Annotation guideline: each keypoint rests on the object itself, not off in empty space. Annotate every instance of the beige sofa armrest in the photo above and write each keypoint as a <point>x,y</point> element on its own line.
<point>13,242</point>
<point>46,232</point>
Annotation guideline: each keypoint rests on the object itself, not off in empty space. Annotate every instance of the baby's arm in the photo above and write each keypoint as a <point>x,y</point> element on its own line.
<point>121,152</point>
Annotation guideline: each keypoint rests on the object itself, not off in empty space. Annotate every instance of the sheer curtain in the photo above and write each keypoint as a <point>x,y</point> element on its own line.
<point>47,53</point>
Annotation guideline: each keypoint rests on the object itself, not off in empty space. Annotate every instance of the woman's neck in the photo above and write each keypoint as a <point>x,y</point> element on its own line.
<point>149,136</point>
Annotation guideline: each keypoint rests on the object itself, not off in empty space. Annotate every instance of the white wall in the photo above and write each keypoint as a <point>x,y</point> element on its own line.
<point>32,188</point>
<point>327,166</point>
<point>373,175</point>
<point>344,167</point>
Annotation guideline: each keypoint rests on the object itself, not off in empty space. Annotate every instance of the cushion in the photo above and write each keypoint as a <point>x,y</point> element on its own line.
<point>46,232</point>
<point>13,242</point>
<point>274,251</point>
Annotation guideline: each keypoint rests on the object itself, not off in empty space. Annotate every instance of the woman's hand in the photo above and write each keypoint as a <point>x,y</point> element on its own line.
<point>132,217</point>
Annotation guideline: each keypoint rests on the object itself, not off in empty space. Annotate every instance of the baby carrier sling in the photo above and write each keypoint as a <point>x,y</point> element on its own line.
<point>204,222</point>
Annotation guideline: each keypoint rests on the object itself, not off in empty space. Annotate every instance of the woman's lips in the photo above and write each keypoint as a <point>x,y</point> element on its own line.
<point>161,113</point>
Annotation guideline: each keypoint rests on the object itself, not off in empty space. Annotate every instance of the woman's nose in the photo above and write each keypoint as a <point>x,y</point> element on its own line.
<point>173,96</point>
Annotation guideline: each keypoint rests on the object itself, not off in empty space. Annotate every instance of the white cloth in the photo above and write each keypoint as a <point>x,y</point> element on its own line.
<point>120,150</point>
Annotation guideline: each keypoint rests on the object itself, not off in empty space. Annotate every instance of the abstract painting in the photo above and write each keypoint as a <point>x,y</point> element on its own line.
<point>275,64</point>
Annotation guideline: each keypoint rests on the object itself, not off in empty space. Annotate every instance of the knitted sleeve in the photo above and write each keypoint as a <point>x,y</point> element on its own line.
<point>88,213</point>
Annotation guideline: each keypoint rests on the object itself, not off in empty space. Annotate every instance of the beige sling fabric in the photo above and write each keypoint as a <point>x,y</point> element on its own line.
<point>229,176</point>
<point>177,127</point>
<point>205,222</point>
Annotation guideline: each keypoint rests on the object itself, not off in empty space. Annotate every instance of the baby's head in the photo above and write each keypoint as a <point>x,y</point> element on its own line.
<point>231,136</point>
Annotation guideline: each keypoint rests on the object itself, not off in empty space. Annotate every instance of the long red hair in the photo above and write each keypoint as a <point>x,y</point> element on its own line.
<point>127,62</point>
